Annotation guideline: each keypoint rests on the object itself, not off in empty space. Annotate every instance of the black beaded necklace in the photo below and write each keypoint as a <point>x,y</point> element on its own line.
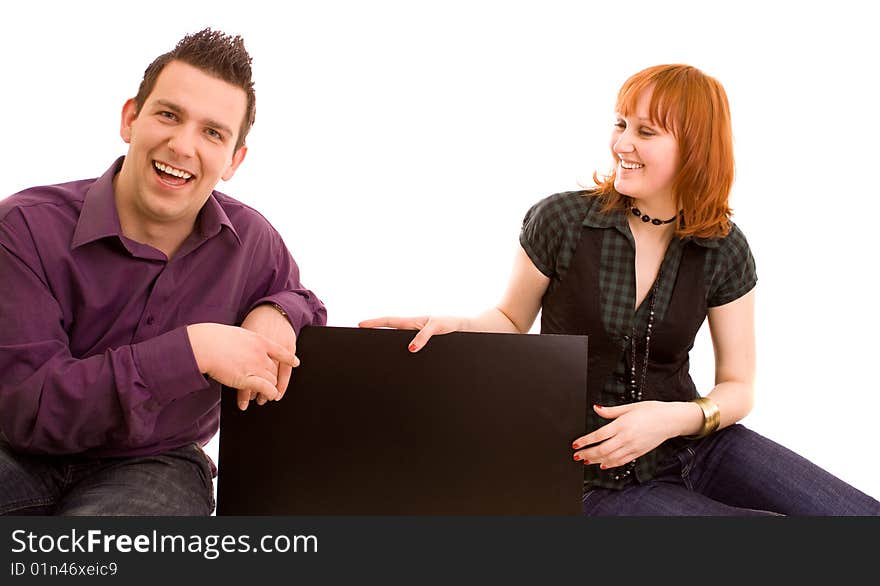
<point>646,218</point>
<point>635,386</point>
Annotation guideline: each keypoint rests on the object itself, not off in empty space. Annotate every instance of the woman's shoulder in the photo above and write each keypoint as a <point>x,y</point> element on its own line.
<point>579,198</point>
<point>734,244</point>
<point>563,207</point>
<point>729,261</point>
<point>730,268</point>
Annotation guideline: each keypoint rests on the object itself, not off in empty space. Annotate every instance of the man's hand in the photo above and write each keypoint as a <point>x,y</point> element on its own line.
<point>268,322</point>
<point>240,359</point>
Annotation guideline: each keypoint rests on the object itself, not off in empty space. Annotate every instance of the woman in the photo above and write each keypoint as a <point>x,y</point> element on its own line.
<point>637,264</point>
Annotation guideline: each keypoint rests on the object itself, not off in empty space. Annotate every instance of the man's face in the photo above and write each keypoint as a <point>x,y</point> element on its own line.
<point>181,144</point>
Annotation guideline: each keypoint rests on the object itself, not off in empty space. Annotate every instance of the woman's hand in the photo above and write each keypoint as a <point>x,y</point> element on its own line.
<point>426,325</point>
<point>634,430</point>
<point>515,314</point>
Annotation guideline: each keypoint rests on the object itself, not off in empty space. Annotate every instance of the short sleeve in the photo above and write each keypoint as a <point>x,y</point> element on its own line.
<point>546,227</point>
<point>732,269</point>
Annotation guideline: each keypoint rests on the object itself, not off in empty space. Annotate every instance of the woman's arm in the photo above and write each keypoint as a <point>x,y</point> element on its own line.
<point>514,314</point>
<point>733,337</point>
<point>636,428</point>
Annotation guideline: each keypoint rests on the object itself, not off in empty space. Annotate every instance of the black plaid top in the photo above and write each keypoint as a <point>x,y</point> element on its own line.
<point>551,232</point>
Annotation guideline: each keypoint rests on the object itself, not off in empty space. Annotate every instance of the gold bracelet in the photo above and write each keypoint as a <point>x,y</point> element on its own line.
<point>711,417</point>
<point>278,308</point>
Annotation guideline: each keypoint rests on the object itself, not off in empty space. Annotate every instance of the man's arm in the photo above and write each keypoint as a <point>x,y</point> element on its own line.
<point>276,278</point>
<point>282,310</point>
<point>53,402</point>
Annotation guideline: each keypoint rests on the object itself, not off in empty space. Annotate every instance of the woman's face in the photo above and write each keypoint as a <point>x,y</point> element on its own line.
<point>647,156</point>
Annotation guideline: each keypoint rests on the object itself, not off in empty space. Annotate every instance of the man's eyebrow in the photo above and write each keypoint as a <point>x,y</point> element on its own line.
<point>208,121</point>
<point>169,105</point>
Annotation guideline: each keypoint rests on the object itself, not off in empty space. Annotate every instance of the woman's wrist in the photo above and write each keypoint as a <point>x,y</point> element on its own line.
<point>711,417</point>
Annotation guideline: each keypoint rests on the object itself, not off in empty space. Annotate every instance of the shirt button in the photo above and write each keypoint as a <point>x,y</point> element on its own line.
<point>150,320</point>
<point>626,338</point>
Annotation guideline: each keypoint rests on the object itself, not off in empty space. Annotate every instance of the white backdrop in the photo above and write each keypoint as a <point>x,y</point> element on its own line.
<point>398,145</point>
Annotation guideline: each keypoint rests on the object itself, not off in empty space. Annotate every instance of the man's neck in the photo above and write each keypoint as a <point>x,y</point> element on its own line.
<point>164,235</point>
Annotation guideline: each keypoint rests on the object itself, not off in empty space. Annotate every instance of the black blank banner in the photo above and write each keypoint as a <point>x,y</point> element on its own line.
<point>473,424</point>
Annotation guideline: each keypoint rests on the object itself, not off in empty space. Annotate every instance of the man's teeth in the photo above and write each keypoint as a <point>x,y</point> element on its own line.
<point>171,170</point>
<point>626,165</point>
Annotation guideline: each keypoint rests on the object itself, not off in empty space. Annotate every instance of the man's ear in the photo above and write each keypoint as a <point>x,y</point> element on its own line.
<point>237,158</point>
<point>129,113</point>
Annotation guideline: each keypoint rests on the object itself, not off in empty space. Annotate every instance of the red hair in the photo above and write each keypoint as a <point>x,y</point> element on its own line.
<point>693,107</point>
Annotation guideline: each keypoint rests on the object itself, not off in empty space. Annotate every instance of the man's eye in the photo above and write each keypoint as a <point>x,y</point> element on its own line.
<point>168,115</point>
<point>214,134</point>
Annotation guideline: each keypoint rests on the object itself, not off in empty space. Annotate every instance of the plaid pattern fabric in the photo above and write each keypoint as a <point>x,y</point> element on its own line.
<point>551,232</point>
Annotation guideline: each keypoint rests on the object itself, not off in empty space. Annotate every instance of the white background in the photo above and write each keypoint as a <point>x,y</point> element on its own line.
<point>398,145</point>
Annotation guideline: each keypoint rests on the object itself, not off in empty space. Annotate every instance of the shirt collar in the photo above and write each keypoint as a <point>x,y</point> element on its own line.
<point>99,218</point>
<point>212,218</point>
<point>706,242</point>
<point>596,218</point>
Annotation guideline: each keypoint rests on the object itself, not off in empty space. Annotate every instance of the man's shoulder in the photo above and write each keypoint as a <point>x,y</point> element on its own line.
<point>229,203</point>
<point>242,216</point>
<point>65,197</point>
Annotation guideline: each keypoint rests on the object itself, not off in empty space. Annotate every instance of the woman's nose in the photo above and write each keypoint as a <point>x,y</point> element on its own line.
<point>623,144</point>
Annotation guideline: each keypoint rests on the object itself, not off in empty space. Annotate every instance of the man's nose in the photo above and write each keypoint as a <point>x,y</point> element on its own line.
<point>182,141</point>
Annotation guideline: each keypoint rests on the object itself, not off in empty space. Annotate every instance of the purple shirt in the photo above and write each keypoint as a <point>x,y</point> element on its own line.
<point>94,354</point>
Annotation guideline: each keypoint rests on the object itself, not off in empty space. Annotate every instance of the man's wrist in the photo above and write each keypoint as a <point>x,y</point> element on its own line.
<point>277,307</point>
<point>195,334</point>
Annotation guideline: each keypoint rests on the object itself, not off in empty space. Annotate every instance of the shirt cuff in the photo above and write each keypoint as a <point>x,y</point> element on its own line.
<point>169,366</point>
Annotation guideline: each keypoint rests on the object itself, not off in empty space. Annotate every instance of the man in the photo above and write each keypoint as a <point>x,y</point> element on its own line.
<point>119,295</point>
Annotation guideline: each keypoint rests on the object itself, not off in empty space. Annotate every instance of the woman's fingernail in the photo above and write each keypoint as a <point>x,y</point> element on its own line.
<point>577,457</point>
<point>412,348</point>
<point>597,406</point>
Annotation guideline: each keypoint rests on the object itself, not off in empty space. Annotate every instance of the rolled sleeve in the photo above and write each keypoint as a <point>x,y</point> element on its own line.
<point>302,308</point>
<point>277,274</point>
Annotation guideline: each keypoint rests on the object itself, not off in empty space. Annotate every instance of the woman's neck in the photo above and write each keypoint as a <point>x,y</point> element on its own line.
<point>643,231</point>
<point>660,208</point>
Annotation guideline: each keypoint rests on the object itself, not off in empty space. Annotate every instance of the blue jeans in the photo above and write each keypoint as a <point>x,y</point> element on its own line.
<point>734,472</point>
<point>176,483</point>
